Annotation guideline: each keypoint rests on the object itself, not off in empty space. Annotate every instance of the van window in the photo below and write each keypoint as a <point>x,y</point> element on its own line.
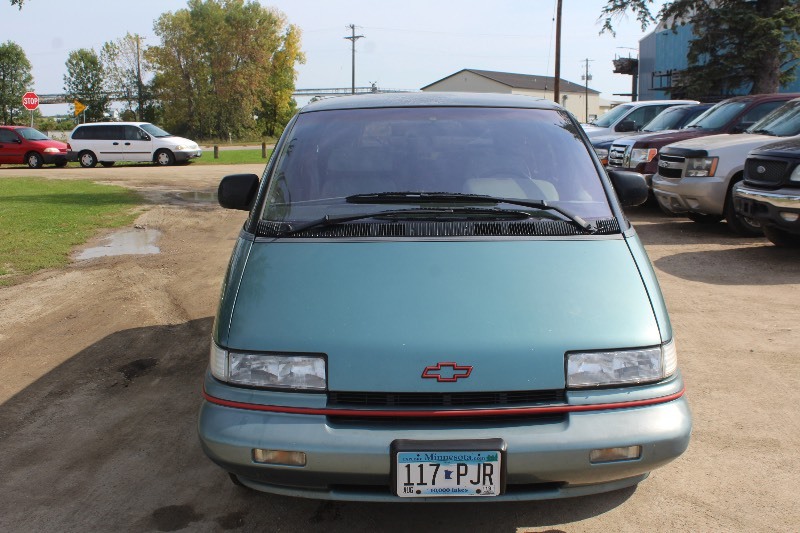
<point>531,154</point>
<point>8,136</point>
<point>134,133</point>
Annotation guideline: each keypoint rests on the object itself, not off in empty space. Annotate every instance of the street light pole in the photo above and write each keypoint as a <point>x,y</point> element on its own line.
<point>353,38</point>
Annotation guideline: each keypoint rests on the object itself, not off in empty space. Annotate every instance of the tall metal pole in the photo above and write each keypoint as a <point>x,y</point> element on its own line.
<point>557,85</point>
<point>353,38</point>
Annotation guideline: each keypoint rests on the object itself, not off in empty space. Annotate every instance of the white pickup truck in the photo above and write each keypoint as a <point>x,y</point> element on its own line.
<point>695,177</point>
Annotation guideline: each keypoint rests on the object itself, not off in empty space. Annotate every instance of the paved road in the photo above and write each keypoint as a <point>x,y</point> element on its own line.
<point>102,363</point>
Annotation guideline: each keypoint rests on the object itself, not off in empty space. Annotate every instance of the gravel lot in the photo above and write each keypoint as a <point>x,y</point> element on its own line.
<point>102,365</point>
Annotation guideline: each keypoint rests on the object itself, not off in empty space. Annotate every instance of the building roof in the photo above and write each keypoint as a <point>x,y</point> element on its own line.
<point>522,81</point>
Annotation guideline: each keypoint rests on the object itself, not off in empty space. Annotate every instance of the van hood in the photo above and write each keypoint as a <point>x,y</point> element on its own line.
<point>383,311</point>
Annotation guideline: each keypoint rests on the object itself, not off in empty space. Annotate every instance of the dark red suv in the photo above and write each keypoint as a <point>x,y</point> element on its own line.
<point>23,145</point>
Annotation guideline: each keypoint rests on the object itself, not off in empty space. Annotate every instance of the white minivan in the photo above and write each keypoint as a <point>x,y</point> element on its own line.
<point>109,142</point>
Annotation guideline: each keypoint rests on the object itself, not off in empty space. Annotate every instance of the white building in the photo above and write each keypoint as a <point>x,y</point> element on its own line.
<point>573,96</point>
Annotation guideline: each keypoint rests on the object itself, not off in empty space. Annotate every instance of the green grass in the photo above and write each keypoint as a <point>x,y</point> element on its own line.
<point>226,157</point>
<point>233,157</point>
<point>42,220</point>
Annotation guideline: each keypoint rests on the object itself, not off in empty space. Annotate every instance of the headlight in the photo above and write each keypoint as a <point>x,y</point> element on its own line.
<point>51,150</point>
<point>621,367</point>
<point>796,174</point>
<point>643,155</point>
<point>701,167</point>
<point>305,372</point>
<point>602,154</point>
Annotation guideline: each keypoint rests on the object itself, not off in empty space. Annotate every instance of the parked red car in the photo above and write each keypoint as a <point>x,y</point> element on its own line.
<point>23,145</point>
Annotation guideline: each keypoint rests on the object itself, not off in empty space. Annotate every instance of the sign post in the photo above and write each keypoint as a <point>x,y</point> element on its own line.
<point>30,101</point>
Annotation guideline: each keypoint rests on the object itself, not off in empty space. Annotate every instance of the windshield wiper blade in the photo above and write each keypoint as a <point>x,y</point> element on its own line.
<point>329,220</point>
<point>762,131</point>
<point>439,197</point>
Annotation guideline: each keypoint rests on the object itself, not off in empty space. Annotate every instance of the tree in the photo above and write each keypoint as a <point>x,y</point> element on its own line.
<point>737,42</point>
<point>15,80</point>
<point>85,82</point>
<point>277,105</point>
<point>220,63</point>
<point>124,72</point>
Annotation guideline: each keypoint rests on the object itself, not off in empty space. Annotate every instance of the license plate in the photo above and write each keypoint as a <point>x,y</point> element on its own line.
<point>447,469</point>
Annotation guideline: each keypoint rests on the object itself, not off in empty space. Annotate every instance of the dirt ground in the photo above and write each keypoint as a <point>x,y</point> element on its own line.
<point>102,362</point>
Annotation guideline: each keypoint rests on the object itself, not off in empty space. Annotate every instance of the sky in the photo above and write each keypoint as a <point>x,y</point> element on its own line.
<point>407,44</point>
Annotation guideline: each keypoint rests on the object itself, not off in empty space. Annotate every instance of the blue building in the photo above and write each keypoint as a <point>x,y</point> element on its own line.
<point>663,55</point>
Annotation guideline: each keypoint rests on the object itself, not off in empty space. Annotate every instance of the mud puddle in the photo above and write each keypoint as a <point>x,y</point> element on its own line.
<point>128,242</point>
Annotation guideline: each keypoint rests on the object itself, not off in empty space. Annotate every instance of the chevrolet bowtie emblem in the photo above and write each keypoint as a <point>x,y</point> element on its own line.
<point>447,372</point>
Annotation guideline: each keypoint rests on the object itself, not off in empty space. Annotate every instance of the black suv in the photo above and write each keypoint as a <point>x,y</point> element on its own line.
<point>770,191</point>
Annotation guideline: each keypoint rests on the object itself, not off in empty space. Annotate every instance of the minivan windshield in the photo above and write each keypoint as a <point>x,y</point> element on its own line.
<point>155,131</point>
<point>611,116</point>
<point>525,154</point>
<point>782,122</point>
<point>716,117</point>
<point>32,134</point>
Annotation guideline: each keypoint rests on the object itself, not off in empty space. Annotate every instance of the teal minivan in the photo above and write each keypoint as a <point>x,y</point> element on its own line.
<point>438,297</point>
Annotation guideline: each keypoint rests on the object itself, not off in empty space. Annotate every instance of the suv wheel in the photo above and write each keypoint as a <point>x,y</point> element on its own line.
<point>779,237</point>
<point>746,227</point>
<point>34,160</point>
<point>164,158</point>
<point>87,159</point>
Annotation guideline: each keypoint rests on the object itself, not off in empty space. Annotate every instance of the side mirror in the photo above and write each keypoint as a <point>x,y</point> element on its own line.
<point>631,187</point>
<point>238,191</point>
<point>626,125</point>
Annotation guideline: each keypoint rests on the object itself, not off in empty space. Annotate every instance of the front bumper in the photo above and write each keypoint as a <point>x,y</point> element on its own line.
<point>696,195</point>
<point>52,159</point>
<point>349,458</point>
<point>186,155</point>
<point>779,208</point>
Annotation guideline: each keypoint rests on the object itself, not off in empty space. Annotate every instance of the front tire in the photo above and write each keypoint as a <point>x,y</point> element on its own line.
<point>164,158</point>
<point>746,227</point>
<point>781,238</point>
<point>60,164</point>
<point>34,160</point>
<point>87,159</point>
<point>107,163</point>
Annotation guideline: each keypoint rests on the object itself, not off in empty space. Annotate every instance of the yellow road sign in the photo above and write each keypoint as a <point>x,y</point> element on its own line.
<point>79,107</point>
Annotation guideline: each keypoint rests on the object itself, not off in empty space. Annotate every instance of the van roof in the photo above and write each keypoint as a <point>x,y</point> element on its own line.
<point>110,123</point>
<point>430,99</point>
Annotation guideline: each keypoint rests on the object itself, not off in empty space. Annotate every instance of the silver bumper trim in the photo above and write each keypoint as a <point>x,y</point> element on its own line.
<point>781,200</point>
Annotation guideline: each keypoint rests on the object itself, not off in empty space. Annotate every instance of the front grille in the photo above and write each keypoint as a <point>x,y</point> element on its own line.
<point>424,400</point>
<point>671,166</point>
<point>766,172</point>
<point>616,156</point>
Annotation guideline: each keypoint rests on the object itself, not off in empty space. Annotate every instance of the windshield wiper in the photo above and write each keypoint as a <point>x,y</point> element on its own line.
<point>329,220</point>
<point>453,197</point>
<point>763,131</point>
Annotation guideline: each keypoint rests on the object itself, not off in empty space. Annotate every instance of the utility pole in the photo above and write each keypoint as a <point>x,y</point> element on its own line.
<point>586,78</point>
<point>557,85</point>
<point>353,38</point>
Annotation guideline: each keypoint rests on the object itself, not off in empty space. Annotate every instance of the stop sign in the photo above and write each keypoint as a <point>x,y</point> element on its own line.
<point>30,101</point>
